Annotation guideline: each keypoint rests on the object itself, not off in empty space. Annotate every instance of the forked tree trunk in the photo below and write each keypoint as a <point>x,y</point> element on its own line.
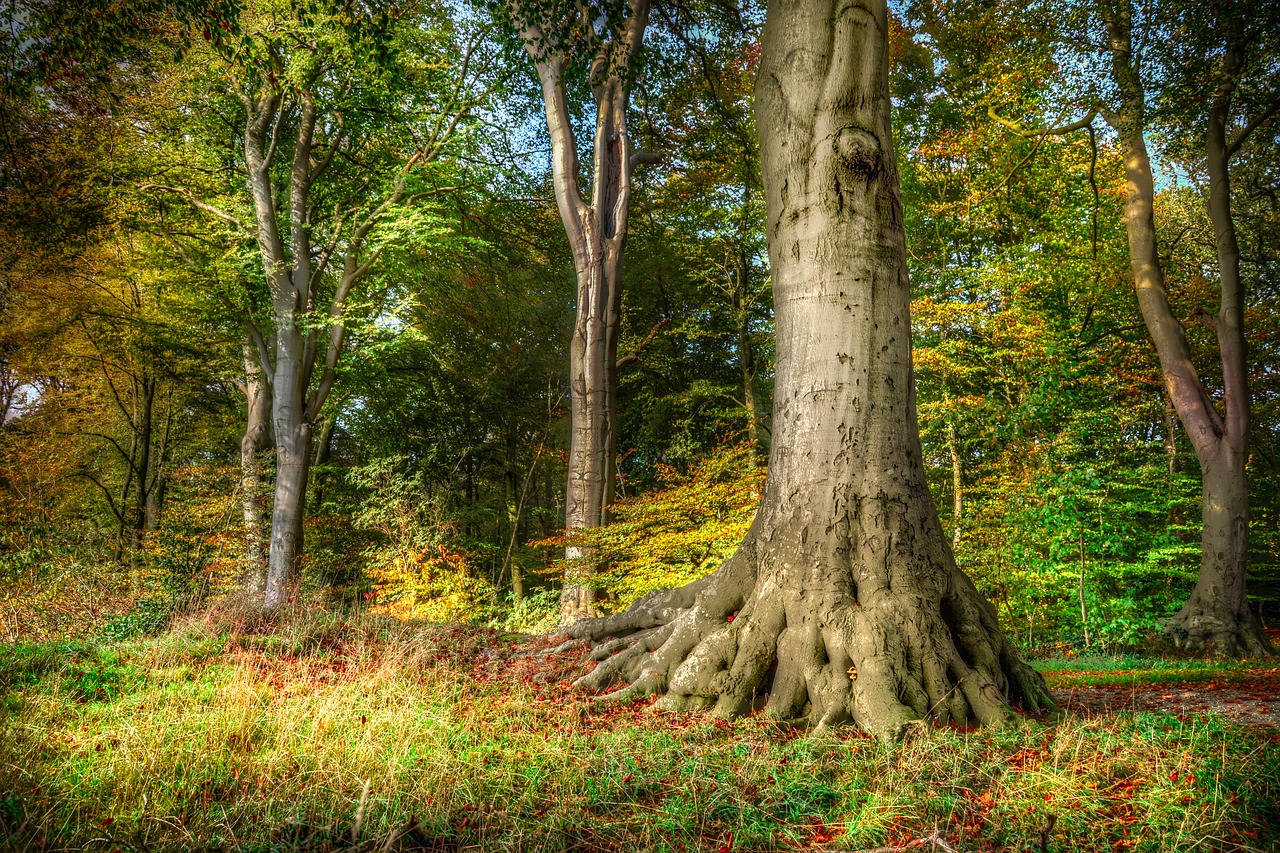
<point>844,602</point>
<point>597,235</point>
<point>1216,617</point>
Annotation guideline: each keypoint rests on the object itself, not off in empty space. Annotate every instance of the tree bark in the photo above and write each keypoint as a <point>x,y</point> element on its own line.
<point>844,601</point>
<point>1216,618</point>
<point>256,440</point>
<point>597,235</point>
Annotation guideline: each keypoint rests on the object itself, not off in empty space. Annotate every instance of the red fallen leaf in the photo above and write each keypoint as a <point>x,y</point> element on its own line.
<point>363,719</point>
<point>727,847</point>
<point>106,823</point>
<point>1173,777</point>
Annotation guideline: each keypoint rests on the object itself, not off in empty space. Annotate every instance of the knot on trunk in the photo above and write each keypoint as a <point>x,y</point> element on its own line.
<point>858,152</point>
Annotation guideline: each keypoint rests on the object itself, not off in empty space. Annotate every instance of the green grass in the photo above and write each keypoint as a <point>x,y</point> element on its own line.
<point>230,733</point>
<point>1139,670</point>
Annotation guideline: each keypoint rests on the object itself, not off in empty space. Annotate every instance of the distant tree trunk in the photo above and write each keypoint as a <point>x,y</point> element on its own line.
<point>746,350</point>
<point>844,601</point>
<point>155,502</point>
<point>957,474</point>
<point>158,490</point>
<point>597,235</point>
<point>324,452</point>
<point>144,396</point>
<point>256,440</point>
<point>514,503</point>
<point>1216,617</point>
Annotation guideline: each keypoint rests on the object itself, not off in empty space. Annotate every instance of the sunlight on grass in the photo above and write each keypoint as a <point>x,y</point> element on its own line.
<point>230,733</point>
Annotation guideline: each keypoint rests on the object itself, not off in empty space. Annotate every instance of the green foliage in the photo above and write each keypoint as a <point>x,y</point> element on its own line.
<point>537,612</point>
<point>417,570</point>
<point>678,533</point>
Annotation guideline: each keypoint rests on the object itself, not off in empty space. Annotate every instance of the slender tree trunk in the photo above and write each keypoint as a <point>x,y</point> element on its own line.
<point>155,502</point>
<point>746,351</point>
<point>117,553</point>
<point>146,391</point>
<point>293,458</point>
<point>514,502</point>
<point>256,440</point>
<point>1084,611</point>
<point>597,235</point>
<point>844,601</point>
<point>957,474</point>
<point>158,489</point>
<point>324,452</point>
<point>1224,627</point>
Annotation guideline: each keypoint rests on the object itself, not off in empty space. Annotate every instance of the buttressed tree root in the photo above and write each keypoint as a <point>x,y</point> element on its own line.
<point>844,603</point>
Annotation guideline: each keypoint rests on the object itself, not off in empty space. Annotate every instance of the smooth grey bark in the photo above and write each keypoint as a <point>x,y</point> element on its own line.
<point>597,235</point>
<point>256,441</point>
<point>1217,616</point>
<point>844,601</point>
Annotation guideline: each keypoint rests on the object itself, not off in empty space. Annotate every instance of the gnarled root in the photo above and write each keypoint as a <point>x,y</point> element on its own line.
<point>738,640</point>
<point>1209,626</point>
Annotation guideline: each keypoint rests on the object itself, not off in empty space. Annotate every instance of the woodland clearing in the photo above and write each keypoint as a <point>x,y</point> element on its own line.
<point>319,731</point>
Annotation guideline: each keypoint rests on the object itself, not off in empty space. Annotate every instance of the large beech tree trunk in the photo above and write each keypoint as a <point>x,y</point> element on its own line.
<point>844,601</point>
<point>1216,617</point>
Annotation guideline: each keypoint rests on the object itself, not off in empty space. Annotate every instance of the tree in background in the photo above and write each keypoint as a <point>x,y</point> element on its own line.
<point>1040,399</point>
<point>1217,616</point>
<point>327,176</point>
<point>608,41</point>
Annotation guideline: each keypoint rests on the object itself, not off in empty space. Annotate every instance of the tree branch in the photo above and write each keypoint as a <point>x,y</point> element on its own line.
<point>200,205</point>
<point>634,356</point>
<point>1253,125</point>
<point>1061,130</point>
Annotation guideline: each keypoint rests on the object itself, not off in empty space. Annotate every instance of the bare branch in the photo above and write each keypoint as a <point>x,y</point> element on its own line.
<point>634,356</point>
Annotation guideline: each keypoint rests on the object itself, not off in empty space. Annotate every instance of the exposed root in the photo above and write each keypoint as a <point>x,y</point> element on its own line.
<point>1210,628</point>
<point>737,642</point>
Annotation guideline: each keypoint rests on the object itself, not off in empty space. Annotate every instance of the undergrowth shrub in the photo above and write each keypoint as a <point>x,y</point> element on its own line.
<point>682,531</point>
<point>418,569</point>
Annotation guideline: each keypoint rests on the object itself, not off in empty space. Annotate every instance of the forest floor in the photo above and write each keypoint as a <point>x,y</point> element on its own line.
<point>325,733</point>
<point>1243,692</point>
